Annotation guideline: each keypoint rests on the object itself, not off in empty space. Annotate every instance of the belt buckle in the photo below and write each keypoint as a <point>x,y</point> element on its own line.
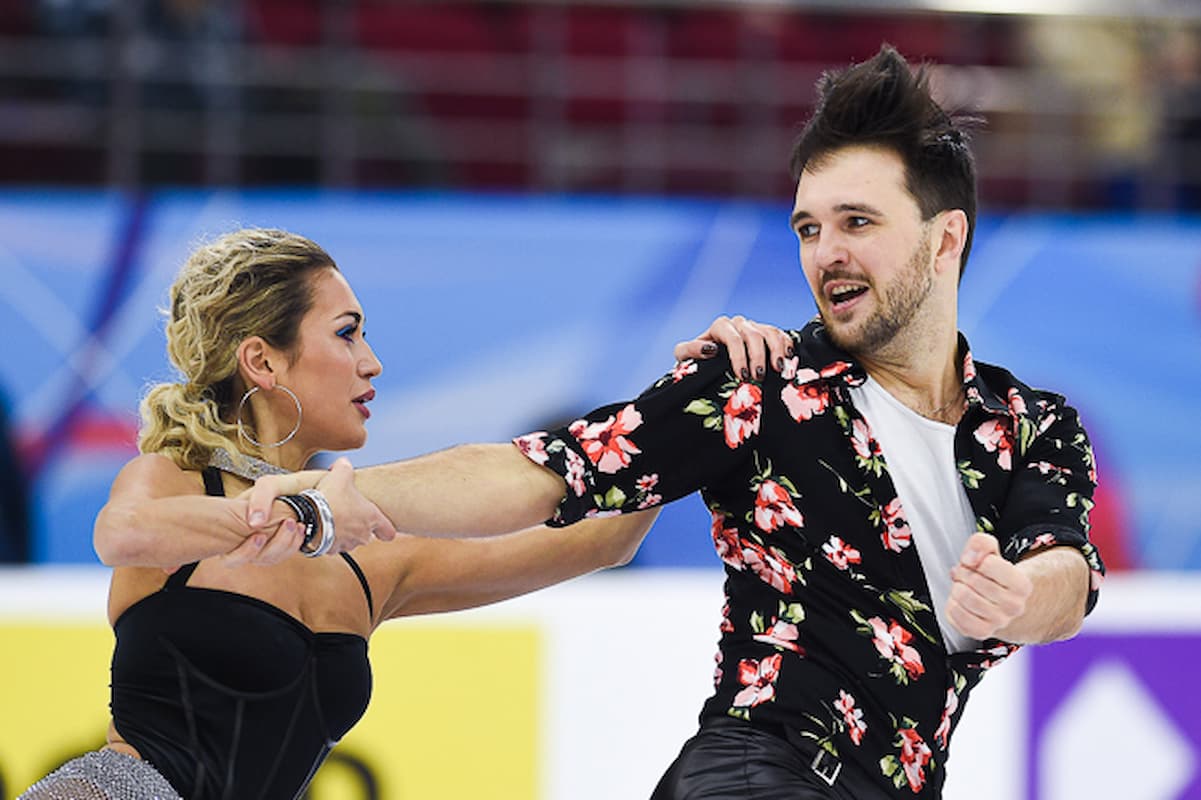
<point>826,766</point>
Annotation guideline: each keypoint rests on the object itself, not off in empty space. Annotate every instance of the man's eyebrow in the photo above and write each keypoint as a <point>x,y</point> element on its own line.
<point>801,213</point>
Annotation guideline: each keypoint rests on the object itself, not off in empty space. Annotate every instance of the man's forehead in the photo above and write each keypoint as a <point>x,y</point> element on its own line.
<point>851,176</point>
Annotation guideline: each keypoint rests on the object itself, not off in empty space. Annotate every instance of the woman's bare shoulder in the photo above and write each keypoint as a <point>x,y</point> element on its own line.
<point>155,475</point>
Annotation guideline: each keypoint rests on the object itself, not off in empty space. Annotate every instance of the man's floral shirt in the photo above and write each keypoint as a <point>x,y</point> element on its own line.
<point>828,626</point>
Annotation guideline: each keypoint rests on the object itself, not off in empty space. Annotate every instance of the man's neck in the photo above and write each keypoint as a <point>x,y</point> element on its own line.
<point>924,375</point>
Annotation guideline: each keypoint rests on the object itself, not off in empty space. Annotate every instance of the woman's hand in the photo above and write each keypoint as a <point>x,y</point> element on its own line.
<point>749,343</point>
<point>264,548</point>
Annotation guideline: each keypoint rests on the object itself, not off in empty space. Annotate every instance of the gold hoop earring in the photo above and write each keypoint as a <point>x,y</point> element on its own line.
<point>242,429</point>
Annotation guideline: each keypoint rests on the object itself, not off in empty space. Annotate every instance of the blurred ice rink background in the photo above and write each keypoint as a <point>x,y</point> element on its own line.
<point>534,202</point>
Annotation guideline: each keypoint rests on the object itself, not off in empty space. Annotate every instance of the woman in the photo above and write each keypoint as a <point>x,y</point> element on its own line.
<point>236,683</point>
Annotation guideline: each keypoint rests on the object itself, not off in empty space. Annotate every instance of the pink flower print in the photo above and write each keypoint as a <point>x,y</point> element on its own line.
<point>770,567</point>
<point>682,370</point>
<point>727,542</point>
<point>781,634</point>
<point>575,473</point>
<point>1015,401</point>
<point>915,754</point>
<point>840,554</point>
<point>742,412</point>
<point>1046,422</point>
<point>997,438</point>
<point>605,443</point>
<point>759,678</point>
<point>649,501</point>
<point>726,626</point>
<point>944,725</point>
<point>596,513</point>
<point>1047,468</point>
<point>790,371</point>
<point>969,368</point>
<point>533,446</point>
<point>897,535</point>
<point>861,439</point>
<point>645,484</point>
<point>835,368</point>
<point>1043,540</point>
<point>892,642</point>
<point>805,400</point>
<point>996,654</point>
<point>851,716</point>
<point>774,508</point>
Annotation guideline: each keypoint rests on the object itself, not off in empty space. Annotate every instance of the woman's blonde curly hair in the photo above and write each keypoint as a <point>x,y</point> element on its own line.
<point>251,282</point>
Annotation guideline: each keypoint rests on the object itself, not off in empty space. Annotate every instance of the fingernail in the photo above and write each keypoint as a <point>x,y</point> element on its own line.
<point>759,373</point>
<point>746,374</point>
<point>780,364</point>
<point>708,349</point>
<point>260,540</point>
<point>256,517</point>
<point>789,351</point>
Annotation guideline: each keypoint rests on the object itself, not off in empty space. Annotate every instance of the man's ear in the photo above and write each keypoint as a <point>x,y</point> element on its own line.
<point>254,362</point>
<point>951,240</point>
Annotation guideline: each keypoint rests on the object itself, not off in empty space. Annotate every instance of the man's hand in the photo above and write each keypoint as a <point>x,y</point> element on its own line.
<point>987,592</point>
<point>749,343</point>
<point>356,519</point>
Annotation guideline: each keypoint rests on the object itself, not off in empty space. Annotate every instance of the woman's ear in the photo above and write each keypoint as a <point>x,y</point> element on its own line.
<point>254,362</point>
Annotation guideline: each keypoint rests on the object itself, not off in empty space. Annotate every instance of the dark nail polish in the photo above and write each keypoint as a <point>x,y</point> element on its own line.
<point>759,373</point>
<point>790,351</point>
<point>708,349</point>
<point>780,364</point>
<point>746,374</point>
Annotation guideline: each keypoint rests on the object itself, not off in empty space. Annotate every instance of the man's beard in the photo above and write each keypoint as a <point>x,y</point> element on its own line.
<point>899,302</point>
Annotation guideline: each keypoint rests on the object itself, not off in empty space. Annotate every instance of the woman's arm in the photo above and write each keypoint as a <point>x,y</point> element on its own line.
<point>156,516</point>
<point>428,575</point>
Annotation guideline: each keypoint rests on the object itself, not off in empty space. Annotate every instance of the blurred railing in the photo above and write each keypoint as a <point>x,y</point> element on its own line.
<point>1084,109</point>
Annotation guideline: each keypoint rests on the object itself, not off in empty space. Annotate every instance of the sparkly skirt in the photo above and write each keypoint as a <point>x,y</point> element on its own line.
<point>102,775</point>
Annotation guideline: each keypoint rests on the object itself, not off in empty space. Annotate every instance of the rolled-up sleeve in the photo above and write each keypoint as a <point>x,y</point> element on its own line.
<point>1051,496</point>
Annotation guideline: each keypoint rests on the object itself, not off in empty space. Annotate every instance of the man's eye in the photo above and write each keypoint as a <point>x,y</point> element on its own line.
<point>806,230</point>
<point>858,222</point>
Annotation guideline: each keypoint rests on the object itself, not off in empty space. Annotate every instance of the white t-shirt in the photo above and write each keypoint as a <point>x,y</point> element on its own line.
<point>920,454</point>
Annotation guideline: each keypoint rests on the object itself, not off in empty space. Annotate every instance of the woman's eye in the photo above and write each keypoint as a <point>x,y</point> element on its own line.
<point>347,332</point>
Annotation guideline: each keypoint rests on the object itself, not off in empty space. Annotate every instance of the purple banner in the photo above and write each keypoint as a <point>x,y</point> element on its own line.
<point>1115,716</point>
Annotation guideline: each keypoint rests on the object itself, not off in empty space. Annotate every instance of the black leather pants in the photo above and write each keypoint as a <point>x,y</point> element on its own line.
<point>732,760</point>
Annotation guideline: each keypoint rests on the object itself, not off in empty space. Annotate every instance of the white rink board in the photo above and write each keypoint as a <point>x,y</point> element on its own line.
<point>629,660</point>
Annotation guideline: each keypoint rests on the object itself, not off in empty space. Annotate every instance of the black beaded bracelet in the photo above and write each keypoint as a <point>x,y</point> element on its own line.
<point>306,515</point>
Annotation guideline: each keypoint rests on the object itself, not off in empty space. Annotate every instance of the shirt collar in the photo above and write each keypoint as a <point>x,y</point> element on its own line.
<point>839,365</point>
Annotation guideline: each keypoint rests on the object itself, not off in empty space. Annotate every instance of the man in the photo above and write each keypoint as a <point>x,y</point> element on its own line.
<point>894,517</point>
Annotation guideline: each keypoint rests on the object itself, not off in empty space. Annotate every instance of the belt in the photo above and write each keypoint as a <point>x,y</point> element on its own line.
<point>824,764</point>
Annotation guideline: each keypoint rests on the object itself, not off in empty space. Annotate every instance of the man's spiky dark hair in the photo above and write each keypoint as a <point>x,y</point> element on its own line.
<point>883,102</point>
